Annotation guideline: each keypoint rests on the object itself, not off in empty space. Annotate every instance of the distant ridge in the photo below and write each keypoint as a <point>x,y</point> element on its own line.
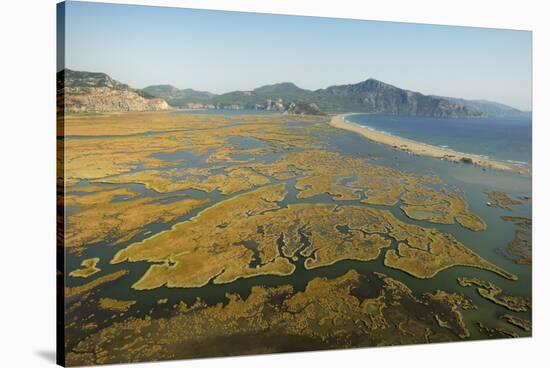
<point>179,97</point>
<point>488,108</point>
<point>98,92</point>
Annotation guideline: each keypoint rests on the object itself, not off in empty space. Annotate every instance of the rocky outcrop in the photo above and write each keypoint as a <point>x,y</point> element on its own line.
<point>85,92</point>
<point>104,99</point>
<point>303,108</point>
<point>275,105</point>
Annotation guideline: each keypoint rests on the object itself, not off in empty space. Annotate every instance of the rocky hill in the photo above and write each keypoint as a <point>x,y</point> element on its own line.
<point>97,92</point>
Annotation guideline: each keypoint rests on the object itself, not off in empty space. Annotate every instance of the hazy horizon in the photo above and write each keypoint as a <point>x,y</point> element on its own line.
<point>219,52</point>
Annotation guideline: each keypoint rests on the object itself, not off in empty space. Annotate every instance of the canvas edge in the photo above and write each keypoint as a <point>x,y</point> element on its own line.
<point>60,187</point>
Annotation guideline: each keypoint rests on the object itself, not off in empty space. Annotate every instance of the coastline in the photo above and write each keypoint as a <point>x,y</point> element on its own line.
<point>423,149</point>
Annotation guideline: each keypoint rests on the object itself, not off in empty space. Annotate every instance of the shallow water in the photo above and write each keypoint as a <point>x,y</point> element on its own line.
<point>226,112</point>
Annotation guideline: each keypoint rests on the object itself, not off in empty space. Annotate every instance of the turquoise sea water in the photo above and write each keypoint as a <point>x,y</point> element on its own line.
<point>503,139</point>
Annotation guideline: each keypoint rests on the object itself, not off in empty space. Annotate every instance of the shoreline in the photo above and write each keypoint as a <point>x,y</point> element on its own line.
<point>423,149</point>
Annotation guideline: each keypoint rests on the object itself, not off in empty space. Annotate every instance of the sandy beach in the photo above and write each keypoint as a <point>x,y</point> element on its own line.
<point>423,149</point>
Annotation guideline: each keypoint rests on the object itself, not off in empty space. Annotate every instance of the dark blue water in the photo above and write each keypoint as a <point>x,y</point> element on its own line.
<point>504,139</point>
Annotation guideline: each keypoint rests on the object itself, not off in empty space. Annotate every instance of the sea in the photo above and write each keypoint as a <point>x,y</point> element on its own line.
<point>504,139</point>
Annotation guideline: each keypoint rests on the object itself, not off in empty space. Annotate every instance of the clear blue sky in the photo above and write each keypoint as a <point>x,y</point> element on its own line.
<point>225,51</point>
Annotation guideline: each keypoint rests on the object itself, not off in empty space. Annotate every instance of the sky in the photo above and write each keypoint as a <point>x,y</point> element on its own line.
<point>220,51</point>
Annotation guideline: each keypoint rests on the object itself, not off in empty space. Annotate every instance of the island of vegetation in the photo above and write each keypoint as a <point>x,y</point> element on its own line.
<point>115,305</point>
<point>495,332</point>
<point>494,293</point>
<point>85,288</point>
<point>519,250</point>
<point>88,268</point>
<point>522,323</point>
<point>502,200</point>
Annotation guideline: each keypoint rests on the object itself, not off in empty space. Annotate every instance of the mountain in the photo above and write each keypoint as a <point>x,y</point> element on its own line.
<point>285,90</point>
<point>370,96</point>
<point>274,97</point>
<point>83,92</point>
<point>373,96</point>
<point>89,92</point>
<point>187,98</point>
<point>488,108</point>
